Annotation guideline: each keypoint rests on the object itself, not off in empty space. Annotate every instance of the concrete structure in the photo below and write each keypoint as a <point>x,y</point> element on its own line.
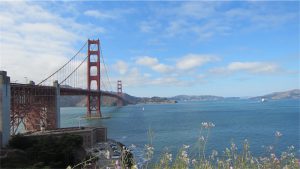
<point>57,103</point>
<point>4,109</point>
<point>90,135</point>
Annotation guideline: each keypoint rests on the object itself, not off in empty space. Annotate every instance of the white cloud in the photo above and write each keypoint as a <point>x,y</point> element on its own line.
<point>111,14</point>
<point>255,67</point>
<point>177,27</point>
<point>169,75</point>
<point>133,78</point>
<point>35,42</point>
<point>154,64</point>
<point>206,20</point>
<point>191,61</point>
<point>162,68</point>
<point>146,61</point>
<point>165,81</point>
<point>99,14</point>
<point>149,26</point>
<point>198,10</point>
<point>121,67</point>
<point>249,67</point>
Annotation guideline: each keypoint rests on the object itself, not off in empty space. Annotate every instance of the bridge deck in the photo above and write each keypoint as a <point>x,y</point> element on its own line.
<point>68,91</point>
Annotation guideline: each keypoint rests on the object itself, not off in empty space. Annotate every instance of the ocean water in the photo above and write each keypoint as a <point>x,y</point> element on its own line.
<point>177,124</point>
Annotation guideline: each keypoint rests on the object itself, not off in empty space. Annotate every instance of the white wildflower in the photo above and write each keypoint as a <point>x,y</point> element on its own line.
<point>204,124</point>
<point>211,125</point>
<point>291,148</point>
<point>194,161</point>
<point>233,147</point>
<point>184,157</point>
<point>186,146</point>
<point>149,151</point>
<point>273,155</point>
<point>214,154</point>
<point>201,138</point>
<point>132,146</point>
<point>276,160</point>
<point>207,125</point>
<point>227,151</point>
<point>184,154</point>
<point>291,155</point>
<point>283,155</point>
<point>278,134</point>
<point>169,157</point>
<point>270,148</point>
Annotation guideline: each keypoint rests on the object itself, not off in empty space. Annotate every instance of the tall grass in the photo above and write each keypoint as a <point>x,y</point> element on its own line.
<point>231,158</point>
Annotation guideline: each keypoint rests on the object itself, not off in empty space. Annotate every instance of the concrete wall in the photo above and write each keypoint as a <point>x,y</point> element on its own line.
<point>57,103</point>
<point>4,108</point>
<point>101,134</point>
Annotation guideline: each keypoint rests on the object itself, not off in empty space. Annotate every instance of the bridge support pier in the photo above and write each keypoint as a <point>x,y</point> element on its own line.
<point>119,93</point>
<point>57,103</point>
<point>4,108</point>
<point>93,101</point>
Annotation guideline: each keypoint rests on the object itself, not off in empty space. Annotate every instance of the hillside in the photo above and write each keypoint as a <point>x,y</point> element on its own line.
<point>200,98</point>
<point>80,101</point>
<point>290,94</point>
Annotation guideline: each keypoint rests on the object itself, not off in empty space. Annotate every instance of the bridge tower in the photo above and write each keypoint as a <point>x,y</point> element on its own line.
<point>119,92</point>
<point>93,101</point>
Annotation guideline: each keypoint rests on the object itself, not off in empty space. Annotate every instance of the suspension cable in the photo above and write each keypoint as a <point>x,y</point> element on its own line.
<point>73,70</point>
<point>63,65</point>
<point>105,69</point>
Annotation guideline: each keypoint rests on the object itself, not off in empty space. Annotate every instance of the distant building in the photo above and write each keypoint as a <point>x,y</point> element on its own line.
<point>90,135</point>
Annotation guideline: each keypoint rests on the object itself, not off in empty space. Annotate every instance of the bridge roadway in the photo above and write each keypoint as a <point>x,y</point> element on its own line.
<point>80,91</point>
<point>67,91</point>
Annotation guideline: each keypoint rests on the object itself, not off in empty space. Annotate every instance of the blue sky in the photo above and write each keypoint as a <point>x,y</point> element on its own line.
<point>160,48</point>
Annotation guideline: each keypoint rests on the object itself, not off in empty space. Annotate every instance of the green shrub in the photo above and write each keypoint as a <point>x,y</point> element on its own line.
<point>21,142</point>
<point>44,151</point>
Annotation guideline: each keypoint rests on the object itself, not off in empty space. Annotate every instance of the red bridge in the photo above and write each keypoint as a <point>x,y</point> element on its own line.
<point>37,106</point>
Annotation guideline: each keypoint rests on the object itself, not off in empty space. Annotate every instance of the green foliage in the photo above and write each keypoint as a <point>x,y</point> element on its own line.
<point>15,159</point>
<point>127,159</point>
<point>20,142</point>
<point>44,151</point>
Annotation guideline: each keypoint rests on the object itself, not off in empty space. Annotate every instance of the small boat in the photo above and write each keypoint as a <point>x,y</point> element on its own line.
<point>263,100</point>
<point>143,108</point>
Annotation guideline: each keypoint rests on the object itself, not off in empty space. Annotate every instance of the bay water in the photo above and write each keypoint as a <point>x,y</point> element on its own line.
<point>176,124</point>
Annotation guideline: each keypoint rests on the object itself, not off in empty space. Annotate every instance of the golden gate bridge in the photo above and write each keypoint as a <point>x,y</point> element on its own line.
<point>35,105</point>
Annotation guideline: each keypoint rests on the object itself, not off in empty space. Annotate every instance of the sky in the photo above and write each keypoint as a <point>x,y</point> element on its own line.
<point>161,48</point>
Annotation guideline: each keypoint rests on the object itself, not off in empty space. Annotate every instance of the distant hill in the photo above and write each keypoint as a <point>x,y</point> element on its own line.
<point>201,98</point>
<point>79,101</point>
<point>196,98</point>
<point>290,94</point>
